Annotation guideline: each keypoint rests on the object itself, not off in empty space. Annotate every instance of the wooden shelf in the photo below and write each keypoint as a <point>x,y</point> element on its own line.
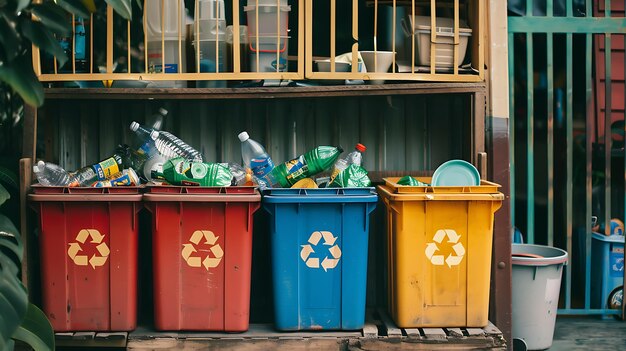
<point>379,333</point>
<point>264,92</point>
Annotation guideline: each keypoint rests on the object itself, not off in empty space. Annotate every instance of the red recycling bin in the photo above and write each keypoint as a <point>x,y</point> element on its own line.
<point>202,254</point>
<point>88,248</point>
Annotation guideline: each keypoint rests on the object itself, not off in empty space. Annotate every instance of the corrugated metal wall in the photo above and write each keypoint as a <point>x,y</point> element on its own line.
<point>401,132</point>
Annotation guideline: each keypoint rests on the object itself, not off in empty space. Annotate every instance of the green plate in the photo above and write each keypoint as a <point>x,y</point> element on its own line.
<point>456,173</point>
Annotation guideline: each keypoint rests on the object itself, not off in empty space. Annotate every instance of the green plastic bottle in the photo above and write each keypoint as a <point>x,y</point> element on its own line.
<point>178,171</point>
<point>311,163</point>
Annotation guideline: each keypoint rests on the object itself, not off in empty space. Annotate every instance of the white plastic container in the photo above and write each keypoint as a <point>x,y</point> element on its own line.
<point>444,52</point>
<point>269,16</point>
<point>212,40</point>
<point>272,58</point>
<point>163,22</point>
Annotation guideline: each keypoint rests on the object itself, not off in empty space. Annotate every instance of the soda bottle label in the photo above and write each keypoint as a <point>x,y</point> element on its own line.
<point>261,166</point>
<point>296,169</point>
<point>106,168</point>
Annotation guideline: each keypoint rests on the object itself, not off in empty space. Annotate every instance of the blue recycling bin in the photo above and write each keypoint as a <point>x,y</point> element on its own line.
<point>319,243</point>
<point>607,261</point>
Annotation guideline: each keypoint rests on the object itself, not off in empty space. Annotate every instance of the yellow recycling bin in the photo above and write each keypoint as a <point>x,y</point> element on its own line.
<point>439,252</point>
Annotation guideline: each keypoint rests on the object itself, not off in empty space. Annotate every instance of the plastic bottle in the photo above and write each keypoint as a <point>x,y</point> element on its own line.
<point>258,160</point>
<point>50,174</point>
<point>127,177</point>
<point>167,144</point>
<point>178,171</point>
<point>353,158</point>
<point>103,170</point>
<point>311,163</point>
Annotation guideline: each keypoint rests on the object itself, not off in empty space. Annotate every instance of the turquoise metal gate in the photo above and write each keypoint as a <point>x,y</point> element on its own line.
<point>566,69</point>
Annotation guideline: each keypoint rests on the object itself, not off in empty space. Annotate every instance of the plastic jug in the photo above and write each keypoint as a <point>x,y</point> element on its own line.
<point>164,19</point>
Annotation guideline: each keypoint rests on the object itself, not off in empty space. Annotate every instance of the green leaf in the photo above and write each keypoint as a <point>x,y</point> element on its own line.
<point>4,194</point>
<point>53,17</point>
<point>9,39</point>
<point>123,8</point>
<point>20,76</point>
<point>74,6</point>
<point>8,177</point>
<point>36,330</point>
<point>139,4</point>
<point>10,239</point>
<point>22,4</point>
<point>41,37</point>
<point>13,300</point>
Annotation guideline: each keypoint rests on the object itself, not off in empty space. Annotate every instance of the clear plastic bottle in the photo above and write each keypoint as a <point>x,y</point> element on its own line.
<point>168,145</point>
<point>353,158</point>
<point>103,170</point>
<point>257,159</point>
<point>50,174</point>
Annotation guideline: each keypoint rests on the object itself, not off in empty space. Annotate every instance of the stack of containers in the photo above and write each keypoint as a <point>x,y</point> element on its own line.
<point>268,34</point>
<point>88,241</point>
<point>202,252</point>
<point>439,241</point>
<point>211,26</point>
<point>319,256</point>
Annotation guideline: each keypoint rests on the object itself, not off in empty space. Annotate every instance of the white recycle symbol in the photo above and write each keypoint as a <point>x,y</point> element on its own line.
<point>334,250</point>
<point>451,260</point>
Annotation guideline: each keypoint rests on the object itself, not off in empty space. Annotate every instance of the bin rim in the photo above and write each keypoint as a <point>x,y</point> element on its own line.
<point>320,195</point>
<point>485,187</point>
<point>84,197</point>
<point>387,193</point>
<point>542,261</point>
<point>614,238</point>
<point>186,197</point>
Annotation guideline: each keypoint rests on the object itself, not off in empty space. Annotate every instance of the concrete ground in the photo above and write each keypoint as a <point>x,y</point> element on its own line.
<point>589,333</point>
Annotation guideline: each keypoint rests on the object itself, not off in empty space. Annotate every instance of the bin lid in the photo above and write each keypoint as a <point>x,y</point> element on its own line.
<point>443,25</point>
<point>77,194</point>
<point>537,255</point>
<point>320,195</point>
<point>201,193</point>
<point>615,238</point>
<point>485,187</point>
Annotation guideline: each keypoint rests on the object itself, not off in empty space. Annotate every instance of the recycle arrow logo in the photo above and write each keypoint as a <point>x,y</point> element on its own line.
<point>334,251</point>
<point>191,248</point>
<point>83,260</point>
<point>453,238</point>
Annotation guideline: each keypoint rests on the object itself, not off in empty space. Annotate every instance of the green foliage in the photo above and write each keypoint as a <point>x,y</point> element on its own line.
<point>20,30</point>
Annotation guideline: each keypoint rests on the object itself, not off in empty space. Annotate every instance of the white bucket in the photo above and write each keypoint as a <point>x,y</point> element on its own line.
<point>163,23</point>
<point>272,57</point>
<point>269,18</point>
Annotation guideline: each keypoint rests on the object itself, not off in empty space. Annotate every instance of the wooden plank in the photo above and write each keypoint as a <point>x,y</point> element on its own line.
<point>475,331</point>
<point>28,240</point>
<point>413,333</point>
<point>491,329</point>
<point>233,345</point>
<point>434,334</point>
<point>112,336</point>
<point>388,325</point>
<point>264,92</point>
<point>455,332</point>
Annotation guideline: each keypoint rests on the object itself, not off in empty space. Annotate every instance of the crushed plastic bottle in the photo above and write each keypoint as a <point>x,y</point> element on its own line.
<point>167,144</point>
<point>258,160</point>
<point>178,171</point>
<point>352,177</point>
<point>311,163</point>
<point>353,158</point>
<point>50,174</point>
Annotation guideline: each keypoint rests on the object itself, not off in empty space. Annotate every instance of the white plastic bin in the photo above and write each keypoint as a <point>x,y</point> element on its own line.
<point>444,52</point>
<point>272,58</point>
<point>269,16</point>
<point>537,274</point>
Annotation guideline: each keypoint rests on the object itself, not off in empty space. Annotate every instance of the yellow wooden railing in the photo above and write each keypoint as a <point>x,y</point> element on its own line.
<point>306,67</point>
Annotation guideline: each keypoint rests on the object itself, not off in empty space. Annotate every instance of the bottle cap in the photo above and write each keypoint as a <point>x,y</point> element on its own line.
<point>39,167</point>
<point>243,136</point>
<point>163,111</point>
<point>134,126</point>
<point>154,135</point>
<point>360,147</point>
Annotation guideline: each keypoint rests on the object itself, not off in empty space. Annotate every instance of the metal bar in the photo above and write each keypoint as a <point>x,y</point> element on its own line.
<point>624,216</point>
<point>456,37</point>
<point>588,164</point>
<point>302,22</point>
<point>567,25</point>
<point>109,39</point>
<point>607,133</point>
<point>236,38</point>
<point>179,20</point>
<point>433,35</point>
<point>481,36</point>
<point>412,36</point>
<point>128,46</point>
<point>375,35</point>
<point>550,8</point>
<point>355,34</point>
<point>196,37</point>
<point>530,156</point>
<point>163,36</point>
<point>393,38</point>
<point>570,161</point>
<point>35,53</point>
<point>73,44</point>
<point>256,30</point>
<point>308,40</point>
<point>550,141</point>
<point>333,25</point>
<point>511,57</point>
<point>568,9</point>
<point>529,8</point>
<point>145,35</point>
<point>91,44</point>
<point>278,36</point>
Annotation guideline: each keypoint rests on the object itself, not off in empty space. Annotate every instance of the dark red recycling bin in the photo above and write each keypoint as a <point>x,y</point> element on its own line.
<point>88,249</point>
<point>202,256</point>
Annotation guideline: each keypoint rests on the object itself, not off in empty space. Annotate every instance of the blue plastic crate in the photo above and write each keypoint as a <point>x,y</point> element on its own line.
<point>607,272</point>
<point>319,256</point>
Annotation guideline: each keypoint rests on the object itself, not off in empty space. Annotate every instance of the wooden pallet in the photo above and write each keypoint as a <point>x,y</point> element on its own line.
<point>379,333</point>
